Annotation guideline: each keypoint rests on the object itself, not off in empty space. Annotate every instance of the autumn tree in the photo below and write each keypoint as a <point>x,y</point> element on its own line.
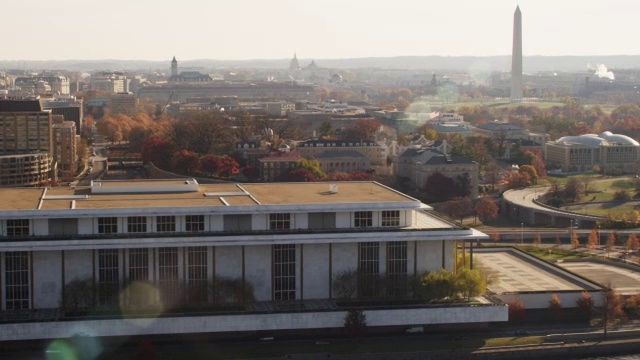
<point>555,308</point>
<point>516,179</point>
<point>363,129</point>
<point>592,241</point>
<point>459,207</point>
<point>486,209</point>
<point>439,187</point>
<point>632,243</point>
<point>611,308</point>
<point>157,151</point>
<point>611,241</point>
<point>572,189</point>
<point>516,310</point>
<point>185,162</point>
<point>632,304</point>
<point>575,240</point>
<point>537,240</point>
<point>585,304</point>
<point>531,171</point>
<point>495,237</point>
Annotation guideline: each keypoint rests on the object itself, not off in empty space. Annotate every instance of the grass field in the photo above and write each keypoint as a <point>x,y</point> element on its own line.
<point>553,255</point>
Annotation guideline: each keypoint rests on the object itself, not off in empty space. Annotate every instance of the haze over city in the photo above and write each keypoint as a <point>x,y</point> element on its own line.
<point>248,29</point>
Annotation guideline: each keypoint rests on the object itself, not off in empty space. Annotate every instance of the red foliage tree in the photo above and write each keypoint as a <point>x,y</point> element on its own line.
<point>158,151</point>
<point>486,209</point>
<point>185,162</point>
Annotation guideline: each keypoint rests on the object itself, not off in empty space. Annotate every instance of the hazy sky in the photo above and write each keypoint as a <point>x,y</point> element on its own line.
<point>272,29</point>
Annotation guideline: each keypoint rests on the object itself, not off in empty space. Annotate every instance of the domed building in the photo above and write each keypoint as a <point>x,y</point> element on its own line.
<point>613,153</point>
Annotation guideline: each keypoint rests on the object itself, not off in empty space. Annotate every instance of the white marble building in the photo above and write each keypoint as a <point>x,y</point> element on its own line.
<point>288,241</point>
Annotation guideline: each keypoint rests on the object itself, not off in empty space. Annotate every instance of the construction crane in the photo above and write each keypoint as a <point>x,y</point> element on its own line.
<point>168,101</point>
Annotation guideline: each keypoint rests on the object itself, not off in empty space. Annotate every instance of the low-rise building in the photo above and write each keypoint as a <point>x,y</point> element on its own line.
<point>123,103</point>
<point>613,153</point>
<point>376,154</point>
<point>167,244</point>
<point>417,164</point>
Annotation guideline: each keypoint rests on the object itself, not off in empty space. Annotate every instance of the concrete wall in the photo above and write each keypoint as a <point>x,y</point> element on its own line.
<point>47,275</point>
<point>258,270</point>
<point>228,261</point>
<point>78,264</point>
<point>344,257</point>
<point>540,300</point>
<point>315,272</point>
<point>249,322</point>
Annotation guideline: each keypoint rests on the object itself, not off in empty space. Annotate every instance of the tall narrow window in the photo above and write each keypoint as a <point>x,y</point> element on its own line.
<point>368,269</point>
<point>138,264</point>
<point>137,224</point>
<point>108,277</point>
<point>165,223</point>
<point>16,280</point>
<point>18,227</point>
<point>363,219</point>
<point>197,274</point>
<point>284,272</point>
<point>194,222</point>
<point>279,221</point>
<point>397,269</point>
<point>138,271</point>
<point>168,275</point>
<point>390,218</point>
<point>107,225</point>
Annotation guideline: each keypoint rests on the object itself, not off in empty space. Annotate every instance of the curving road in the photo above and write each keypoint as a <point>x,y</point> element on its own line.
<point>525,198</point>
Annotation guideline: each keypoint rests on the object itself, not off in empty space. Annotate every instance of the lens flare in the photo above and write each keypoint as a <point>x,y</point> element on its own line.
<point>140,299</point>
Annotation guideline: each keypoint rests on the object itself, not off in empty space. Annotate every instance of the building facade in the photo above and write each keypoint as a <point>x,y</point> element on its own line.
<point>376,154</point>
<point>287,242</point>
<point>26,143</point>
<point>613,153</point>
<point>64,147</point>
<point>123,103</point>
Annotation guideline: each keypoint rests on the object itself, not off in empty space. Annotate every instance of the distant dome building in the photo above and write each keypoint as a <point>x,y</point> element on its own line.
<point>613,153</point>
<point>294,65</point>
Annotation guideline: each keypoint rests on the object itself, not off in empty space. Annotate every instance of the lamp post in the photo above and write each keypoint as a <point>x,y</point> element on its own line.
<point>521,233</point>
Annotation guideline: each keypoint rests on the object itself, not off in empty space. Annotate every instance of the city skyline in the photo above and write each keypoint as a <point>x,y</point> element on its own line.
<point>277,29</point>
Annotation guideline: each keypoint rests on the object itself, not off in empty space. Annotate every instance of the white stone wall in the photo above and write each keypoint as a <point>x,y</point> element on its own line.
<point>429,256</point>
<point>249,322</point>
<point>228,261</point>
<point>343,220</point>
<point>40,227</point>
<point>344,257</point>
<point>258,270</point>
<point>85,226</point>
<point>47,279</point>
<point>216,222</point>
<point>300,221</point>
<point>78,264</point>
<point>260,222</point>
<point>315,272</point>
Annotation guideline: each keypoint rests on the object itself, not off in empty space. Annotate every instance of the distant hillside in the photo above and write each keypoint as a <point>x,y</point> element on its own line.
<point>455,63</point>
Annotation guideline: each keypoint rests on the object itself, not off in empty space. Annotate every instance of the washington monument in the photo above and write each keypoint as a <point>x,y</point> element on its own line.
<point>516,58</point>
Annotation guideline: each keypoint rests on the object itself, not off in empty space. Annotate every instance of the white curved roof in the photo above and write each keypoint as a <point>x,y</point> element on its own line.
<point>592,140</point>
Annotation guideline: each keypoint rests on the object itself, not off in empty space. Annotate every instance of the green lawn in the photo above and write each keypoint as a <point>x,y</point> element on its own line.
<point>553,255</point>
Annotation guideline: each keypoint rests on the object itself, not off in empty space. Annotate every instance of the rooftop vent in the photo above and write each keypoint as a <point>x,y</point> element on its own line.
<point>333,188</point>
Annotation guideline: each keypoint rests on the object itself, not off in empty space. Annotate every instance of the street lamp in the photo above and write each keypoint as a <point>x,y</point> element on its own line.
<point>521,233</point>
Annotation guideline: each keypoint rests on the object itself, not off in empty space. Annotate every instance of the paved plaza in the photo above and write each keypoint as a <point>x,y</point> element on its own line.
<point>516,274</point>
<point>625,281</point>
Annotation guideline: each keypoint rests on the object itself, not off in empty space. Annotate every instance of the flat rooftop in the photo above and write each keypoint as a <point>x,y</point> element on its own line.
<point>519,272</point>
<point>625,280</point>
<point>174,193</point>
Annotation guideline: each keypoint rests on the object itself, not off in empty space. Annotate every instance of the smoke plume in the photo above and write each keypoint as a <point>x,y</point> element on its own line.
<point>602,72</point>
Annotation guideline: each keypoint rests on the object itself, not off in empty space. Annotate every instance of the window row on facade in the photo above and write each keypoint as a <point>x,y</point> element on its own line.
<point>184,275</point>
<point>200,223</point>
